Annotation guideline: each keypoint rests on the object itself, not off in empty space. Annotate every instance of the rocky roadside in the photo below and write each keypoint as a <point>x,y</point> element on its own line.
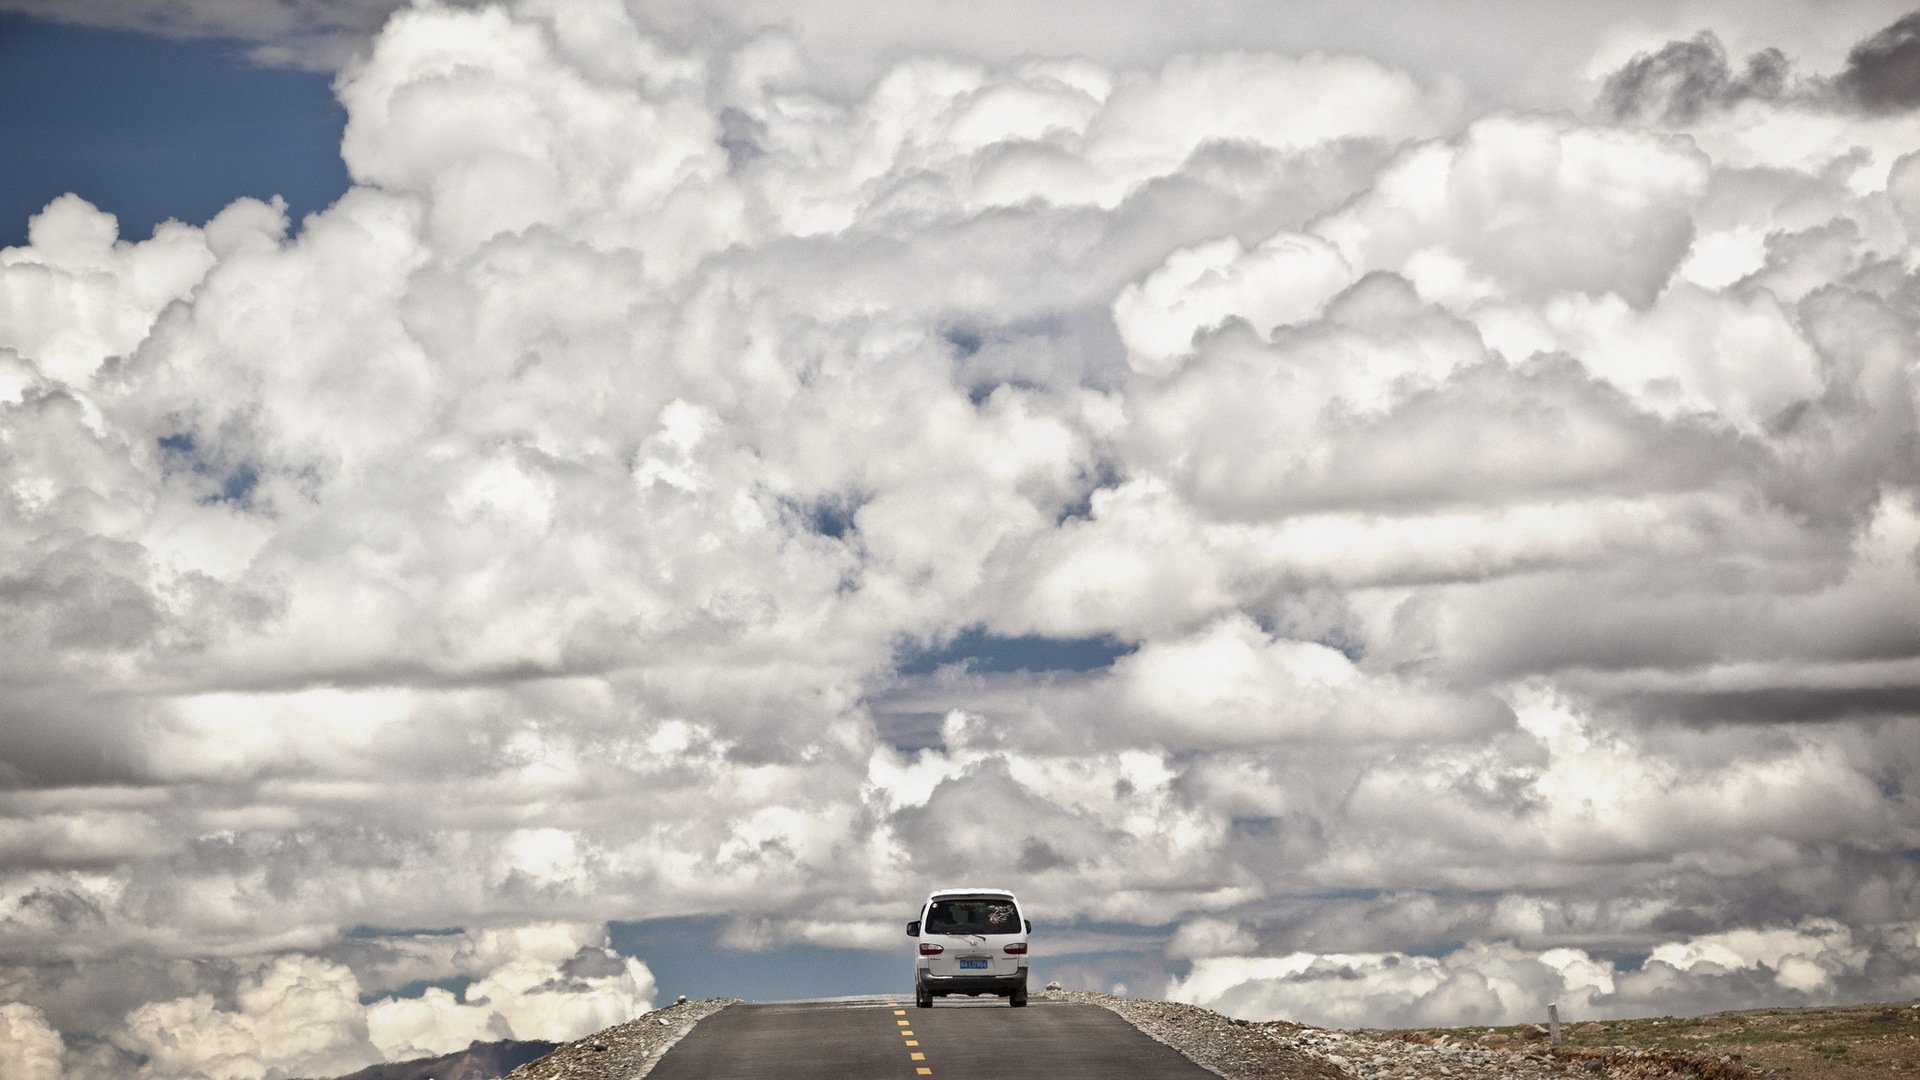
<point>1231,1048</point>
<point>625,1051</point>
<point>1276,1050</point>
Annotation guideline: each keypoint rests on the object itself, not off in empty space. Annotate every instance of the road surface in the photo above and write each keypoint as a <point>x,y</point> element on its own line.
<point>967,1039</point>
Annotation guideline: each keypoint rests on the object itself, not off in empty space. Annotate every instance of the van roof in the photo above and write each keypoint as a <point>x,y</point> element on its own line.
<point>1008,893</point>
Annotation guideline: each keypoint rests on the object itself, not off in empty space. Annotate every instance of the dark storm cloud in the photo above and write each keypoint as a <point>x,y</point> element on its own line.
<point>56,739</point>
<point>740,136</point>
<point>1682,80</point>
<point>1780,705</point>
<point>1883,72</point>
<point>1685,78</point>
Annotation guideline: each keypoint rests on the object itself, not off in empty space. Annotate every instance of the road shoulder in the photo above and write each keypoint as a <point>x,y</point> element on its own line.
<point>626,1051</point>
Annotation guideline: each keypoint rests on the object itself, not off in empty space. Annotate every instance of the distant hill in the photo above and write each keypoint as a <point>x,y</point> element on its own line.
<point>481,1061</point>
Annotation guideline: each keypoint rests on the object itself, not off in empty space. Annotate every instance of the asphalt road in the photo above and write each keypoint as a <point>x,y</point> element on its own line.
<point>965,1039</point>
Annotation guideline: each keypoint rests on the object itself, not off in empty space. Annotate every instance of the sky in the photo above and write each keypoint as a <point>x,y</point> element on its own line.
<point>199,126</point>
<point>1366,514</point>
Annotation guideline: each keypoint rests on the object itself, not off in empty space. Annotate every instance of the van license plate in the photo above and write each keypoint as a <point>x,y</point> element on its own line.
<point>973,965</point>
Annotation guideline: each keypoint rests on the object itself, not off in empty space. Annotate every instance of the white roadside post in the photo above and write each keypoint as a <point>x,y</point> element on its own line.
<point>1553,1023</point>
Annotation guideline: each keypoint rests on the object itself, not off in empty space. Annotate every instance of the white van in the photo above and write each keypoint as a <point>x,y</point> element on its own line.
<point>970,941</point>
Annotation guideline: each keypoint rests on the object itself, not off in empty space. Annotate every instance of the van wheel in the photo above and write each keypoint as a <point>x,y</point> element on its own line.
<point>1018,999</point>
<point>923,997</point>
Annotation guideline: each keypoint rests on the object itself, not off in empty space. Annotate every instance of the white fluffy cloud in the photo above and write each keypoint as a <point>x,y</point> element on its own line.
<point>552,982</point>
<point>1530,207</point>
<point>637,497</point>
<point>1501,983</point>
<point>1286,279</point>
<point>30,1049</point>
<point>294,1015</point>
<point>1477,984</point>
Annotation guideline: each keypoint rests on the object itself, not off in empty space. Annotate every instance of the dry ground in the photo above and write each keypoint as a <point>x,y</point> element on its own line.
<point>1857,1042</point>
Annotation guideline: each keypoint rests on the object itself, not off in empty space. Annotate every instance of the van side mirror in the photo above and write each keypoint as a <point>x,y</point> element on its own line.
<point>913,928</point>
<point>1029,926</point>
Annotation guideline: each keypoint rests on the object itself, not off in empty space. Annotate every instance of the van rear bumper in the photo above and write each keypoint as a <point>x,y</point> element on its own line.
<point>972,984</point>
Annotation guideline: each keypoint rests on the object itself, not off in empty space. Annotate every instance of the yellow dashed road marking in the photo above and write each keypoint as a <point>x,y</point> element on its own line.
<point>906,1034</point>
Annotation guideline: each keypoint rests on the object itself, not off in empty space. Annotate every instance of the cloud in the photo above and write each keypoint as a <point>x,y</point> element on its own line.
<point>78,296</point>
<point>1477,984</point>
<point>1286,279</point>
<point>853,44</point>
<point>286,32</point>
<point>1683,80</point>
<point>529,989</point>
<point>1209,937</point>
<point>1469,524</point>
<point>1801,960</point>
<point>1499,983</point>
<point>292,1015</point>
<point>1880,70</point>
<point>1903,188</point>
<point>30,1048</point>
<point>1501,200</point>
<point>1231,682</point>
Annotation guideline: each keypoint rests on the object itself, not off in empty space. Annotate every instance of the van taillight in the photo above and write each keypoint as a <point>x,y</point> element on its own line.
<point>1018,948</point>
<point>931,950</point>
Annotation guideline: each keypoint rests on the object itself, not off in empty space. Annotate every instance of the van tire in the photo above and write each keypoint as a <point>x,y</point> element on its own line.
<point>1018,999</point>
<point>922,997</point>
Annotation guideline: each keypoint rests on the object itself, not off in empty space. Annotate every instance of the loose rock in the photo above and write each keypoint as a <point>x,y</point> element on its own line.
<point>625,1051</point>
<point>1277,1050</point>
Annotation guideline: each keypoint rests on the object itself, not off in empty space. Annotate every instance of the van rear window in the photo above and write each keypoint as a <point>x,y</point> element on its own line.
<point>973,917</point>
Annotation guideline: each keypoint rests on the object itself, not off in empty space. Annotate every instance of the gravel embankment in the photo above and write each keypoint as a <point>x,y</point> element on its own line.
<point>1276,1050</point>
<point>1232,1048</point>
<point>625,1051</point>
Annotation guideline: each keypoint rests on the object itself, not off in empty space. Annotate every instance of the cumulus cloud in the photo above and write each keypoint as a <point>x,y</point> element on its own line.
<point>1477,984</point>
<point>1684,78</point>
<point>1487,526</point>
<point>1532,207</point>
<point>855,42</point>
<point>1880,71</point>
<point>295,1015</point>
<point>1500,983</point>
<point>29,1046</point>
<point>1680,81</point>
<point>1287,279</point>
<point>555,983</point>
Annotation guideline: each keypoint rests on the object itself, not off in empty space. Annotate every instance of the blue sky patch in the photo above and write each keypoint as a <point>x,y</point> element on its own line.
<point>686,957</point>
<point>455,985</point>
<point>148,128</point>
<point>233,484</point>
<point>833,517</point>
<point>373,932</point>
<point>985,653</point>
